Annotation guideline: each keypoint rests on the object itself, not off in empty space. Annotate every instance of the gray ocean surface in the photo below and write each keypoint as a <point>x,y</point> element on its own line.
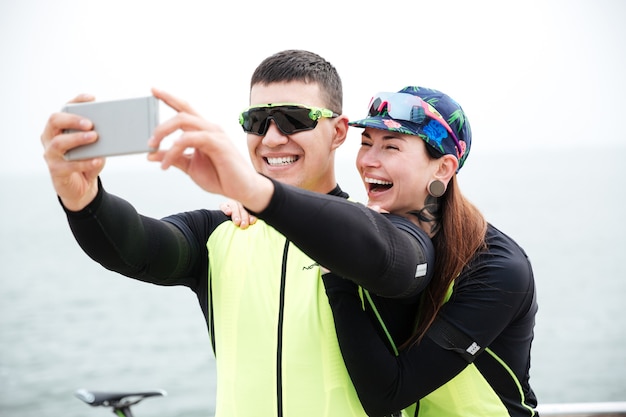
<point>67,323</point>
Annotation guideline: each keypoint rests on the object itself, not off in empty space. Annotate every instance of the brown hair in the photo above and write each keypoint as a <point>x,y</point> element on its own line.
<point>305,66</point>
<point>460,237</point>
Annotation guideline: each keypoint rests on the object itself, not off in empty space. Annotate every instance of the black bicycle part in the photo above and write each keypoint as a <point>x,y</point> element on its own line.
<point>120,402</point>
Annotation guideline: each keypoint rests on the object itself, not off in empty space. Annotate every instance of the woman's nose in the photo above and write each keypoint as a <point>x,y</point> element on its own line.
<point>369,158</point>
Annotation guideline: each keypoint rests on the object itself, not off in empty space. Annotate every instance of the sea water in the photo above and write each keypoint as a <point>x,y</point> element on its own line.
<point>67,323</point>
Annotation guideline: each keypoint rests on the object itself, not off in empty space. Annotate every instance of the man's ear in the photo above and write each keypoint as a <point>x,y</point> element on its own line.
<point>447,166</point>
<point>341,131</point>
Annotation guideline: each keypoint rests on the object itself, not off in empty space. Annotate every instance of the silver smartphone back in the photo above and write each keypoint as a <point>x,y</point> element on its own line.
<point>123,126</point>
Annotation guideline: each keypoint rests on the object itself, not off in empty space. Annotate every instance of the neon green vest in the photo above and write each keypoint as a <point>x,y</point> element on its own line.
<point>468,394</point>
<point>274,334</point>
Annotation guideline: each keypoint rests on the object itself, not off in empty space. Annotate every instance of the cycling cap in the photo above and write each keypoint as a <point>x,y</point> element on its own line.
<point>425,112</point>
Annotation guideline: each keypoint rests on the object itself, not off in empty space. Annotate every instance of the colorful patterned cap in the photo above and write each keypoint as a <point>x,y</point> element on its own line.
<point>430,114</point>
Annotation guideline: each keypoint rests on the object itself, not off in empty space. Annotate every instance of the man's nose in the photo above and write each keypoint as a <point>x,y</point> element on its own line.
<point>274,137</point>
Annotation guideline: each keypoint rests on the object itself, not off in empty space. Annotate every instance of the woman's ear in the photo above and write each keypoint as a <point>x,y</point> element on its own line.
<point>447,166</point>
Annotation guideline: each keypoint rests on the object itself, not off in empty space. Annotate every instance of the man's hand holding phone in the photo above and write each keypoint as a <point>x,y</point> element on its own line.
<point>77,139</point>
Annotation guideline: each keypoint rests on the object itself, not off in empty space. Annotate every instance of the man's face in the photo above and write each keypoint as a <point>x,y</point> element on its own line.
<point>303,159</point>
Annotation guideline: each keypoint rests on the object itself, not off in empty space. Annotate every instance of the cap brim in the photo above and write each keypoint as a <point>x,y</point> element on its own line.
<point>387,123</point>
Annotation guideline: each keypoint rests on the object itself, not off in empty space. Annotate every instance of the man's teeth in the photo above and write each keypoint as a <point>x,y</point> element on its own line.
<point>379,182</point>
<point>285,160</point>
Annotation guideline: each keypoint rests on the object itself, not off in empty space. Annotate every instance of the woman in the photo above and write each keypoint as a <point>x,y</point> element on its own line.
<point>469,351</point>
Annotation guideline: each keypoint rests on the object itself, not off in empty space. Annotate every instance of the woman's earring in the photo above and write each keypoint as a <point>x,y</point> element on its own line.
<point>436,188</point>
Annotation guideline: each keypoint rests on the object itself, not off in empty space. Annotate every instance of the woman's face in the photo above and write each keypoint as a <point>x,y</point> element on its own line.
<point>395,169</point>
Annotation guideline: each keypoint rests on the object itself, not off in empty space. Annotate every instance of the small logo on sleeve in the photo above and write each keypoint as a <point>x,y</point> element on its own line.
<point>473,349</point>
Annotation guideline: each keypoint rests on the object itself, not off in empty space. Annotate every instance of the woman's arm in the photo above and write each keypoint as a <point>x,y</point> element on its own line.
<point>385,383</point>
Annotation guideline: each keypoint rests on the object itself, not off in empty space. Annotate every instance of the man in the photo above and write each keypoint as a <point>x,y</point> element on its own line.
<point>268,316</point>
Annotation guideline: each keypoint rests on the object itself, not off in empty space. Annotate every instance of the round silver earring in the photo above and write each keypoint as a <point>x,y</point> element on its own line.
<point>436,188</point>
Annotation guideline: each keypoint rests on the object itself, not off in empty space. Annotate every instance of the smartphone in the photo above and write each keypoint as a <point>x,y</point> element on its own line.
<point>123,126</point>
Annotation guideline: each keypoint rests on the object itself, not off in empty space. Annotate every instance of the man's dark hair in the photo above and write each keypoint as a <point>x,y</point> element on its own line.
<point>305,66</point>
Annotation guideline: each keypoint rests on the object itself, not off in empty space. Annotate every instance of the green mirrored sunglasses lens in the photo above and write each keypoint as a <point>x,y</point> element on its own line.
<point>288,119</point>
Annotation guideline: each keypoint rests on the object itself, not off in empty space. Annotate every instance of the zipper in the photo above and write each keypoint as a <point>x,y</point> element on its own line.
<point>279,339</point>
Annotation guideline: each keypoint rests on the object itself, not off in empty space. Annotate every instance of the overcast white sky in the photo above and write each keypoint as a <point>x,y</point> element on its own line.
<point>528,73</point>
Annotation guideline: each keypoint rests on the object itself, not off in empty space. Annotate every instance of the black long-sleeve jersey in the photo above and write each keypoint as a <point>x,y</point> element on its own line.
<point>379,252</point>
<point>475,360</point>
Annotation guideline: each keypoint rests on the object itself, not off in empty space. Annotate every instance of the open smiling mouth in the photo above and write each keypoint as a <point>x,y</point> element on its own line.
<point>282,161</point>
<point>374,185</point>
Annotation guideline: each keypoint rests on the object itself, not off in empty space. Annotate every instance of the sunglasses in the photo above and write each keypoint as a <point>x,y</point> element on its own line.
<point>403,106</point>
<point>290,118</point>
